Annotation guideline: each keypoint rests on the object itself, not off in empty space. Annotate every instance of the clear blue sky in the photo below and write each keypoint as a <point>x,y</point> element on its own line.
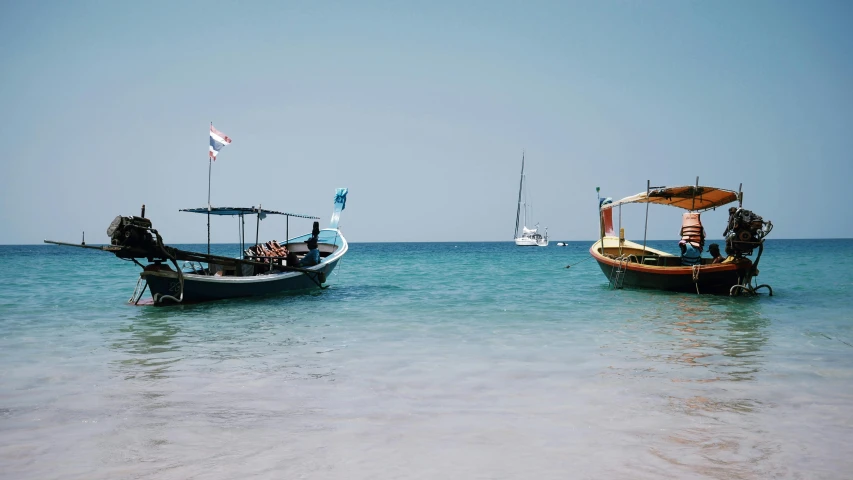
<point>422,109</point>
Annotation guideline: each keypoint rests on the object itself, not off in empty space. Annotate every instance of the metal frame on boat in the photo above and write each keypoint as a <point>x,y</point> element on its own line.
<point>630,264</point>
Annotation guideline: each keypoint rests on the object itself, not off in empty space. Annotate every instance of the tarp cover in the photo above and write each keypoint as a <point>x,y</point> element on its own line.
<point>690,197</point>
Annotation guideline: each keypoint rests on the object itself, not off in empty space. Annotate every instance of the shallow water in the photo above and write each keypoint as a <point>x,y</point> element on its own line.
<point>469,360</point>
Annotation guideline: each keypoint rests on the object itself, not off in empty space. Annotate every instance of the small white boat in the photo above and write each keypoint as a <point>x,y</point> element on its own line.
<point>562,244</point>
<point>530,237</point>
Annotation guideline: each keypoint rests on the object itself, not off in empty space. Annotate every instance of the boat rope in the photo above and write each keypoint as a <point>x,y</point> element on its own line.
<point>134,261</point>
<point>695,269</point>
<point>337,270</point>
<point>747,288</point>
<point>180,297</point>
<point>134,299</point>
<point>136,290</point>
<point>830,338</point>
<point>141,292</point>
<point>585,259</point>
<point>335,243</point>
<point>316,280</point>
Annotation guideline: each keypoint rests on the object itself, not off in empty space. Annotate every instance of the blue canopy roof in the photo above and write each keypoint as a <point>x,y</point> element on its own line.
<point>244,211</point>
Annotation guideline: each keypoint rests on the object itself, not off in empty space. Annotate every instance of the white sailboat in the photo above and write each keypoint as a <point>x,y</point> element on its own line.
<point>530,237</point>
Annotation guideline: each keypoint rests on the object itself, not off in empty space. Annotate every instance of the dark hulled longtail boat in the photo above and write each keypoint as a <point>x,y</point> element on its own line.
<point>174,276</point>
<point>300,263</point>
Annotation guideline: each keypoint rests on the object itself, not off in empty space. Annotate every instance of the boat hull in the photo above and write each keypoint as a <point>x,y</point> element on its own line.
<point>531,242</point>
<point>165,283</point>
<point>716,278</point>
<point>203,288</point>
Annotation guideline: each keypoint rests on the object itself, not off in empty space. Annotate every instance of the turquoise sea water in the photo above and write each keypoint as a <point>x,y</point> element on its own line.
<point>424,361</point>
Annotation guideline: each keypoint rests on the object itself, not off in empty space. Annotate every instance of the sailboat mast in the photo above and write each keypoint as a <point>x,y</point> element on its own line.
<point>520,186</point>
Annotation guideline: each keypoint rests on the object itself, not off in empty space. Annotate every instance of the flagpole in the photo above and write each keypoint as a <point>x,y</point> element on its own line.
<point>209,170</point>
<point>217,141</point>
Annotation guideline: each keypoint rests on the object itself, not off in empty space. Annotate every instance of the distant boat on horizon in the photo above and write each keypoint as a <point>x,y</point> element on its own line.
<point>530,237</point>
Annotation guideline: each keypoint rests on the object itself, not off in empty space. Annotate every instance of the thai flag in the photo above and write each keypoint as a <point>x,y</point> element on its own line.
<point>217,141</point>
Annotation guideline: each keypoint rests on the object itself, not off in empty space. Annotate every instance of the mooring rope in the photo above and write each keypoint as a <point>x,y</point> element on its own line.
<point>180,298</point>
<point>696,277</point>
<point>842,341</point>
<point>135,290</point>
<point>572,265</point>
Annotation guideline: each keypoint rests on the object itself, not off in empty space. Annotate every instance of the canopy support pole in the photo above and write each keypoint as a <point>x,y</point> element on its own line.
<point>620,230</point>
<point>646,228</point>
<point>600,220</point>
<point>243,235</point>
<point>693,205</point>
<point>258,226</point>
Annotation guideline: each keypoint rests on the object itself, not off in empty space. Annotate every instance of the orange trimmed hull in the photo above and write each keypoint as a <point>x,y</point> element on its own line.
<point>712,278</point>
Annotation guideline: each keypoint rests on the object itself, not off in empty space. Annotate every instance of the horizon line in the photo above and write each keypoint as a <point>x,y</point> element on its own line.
<point>433,241</point>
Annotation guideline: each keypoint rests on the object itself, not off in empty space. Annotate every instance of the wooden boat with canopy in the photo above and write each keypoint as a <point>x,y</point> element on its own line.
<point>300,263</point>
<point>634,265</point>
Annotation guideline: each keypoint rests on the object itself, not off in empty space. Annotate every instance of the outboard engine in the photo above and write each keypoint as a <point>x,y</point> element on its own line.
<point>745,231</point>
<point>132,232</point>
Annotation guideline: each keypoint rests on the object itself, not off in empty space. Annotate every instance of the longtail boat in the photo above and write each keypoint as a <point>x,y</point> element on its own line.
<point>175,276</point>
<point>634,265</point>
